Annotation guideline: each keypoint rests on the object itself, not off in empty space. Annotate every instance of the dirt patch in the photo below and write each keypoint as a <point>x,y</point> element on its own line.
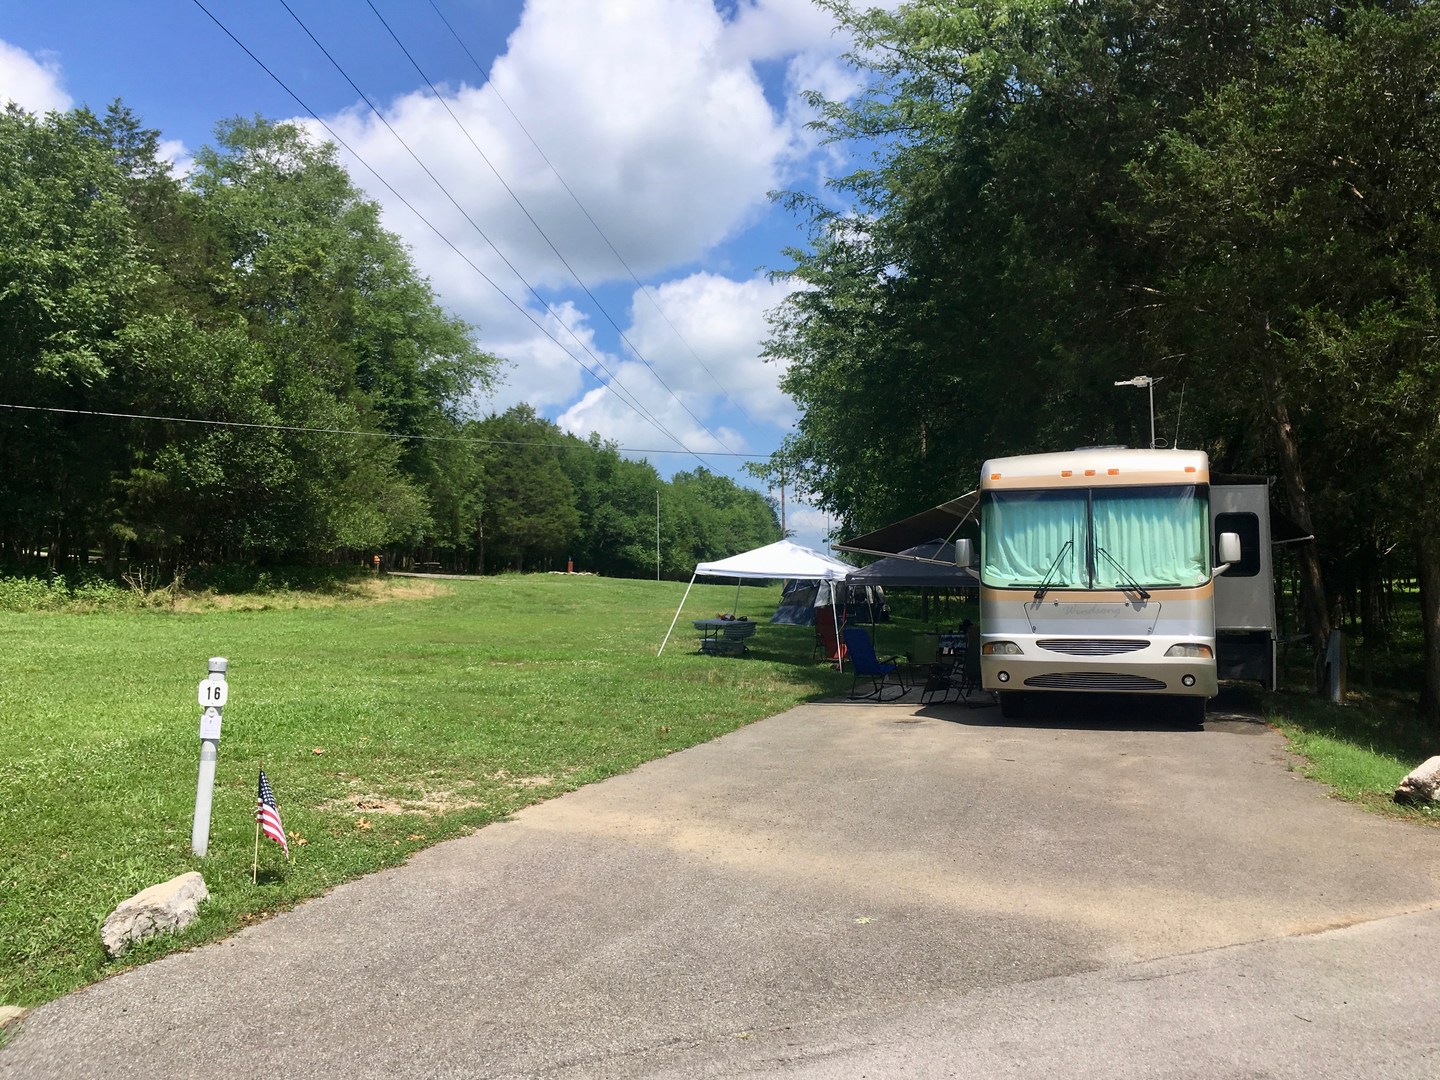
<point>427,805</point>
<point>504,777</point>
<point>367,591</point>
<point>430,803</point>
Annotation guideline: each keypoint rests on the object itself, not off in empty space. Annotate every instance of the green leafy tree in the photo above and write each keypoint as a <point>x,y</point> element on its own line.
<point>1238,198</point>
<point>350,336</point>
<point>529,519</point>
<point>1300,207</point>
<point>72,268</point>
<point>616,499</point>
<point>261,293</point>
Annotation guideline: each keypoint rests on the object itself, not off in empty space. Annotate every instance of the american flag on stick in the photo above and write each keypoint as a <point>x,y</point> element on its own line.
<point>267,813</point>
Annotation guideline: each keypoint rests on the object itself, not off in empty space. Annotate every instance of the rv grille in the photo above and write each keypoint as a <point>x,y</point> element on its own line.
<point>1093,680</point>
<point>1091,646</point>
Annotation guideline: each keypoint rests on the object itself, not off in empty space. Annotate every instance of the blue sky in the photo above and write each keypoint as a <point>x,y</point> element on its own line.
<point>669,120</point>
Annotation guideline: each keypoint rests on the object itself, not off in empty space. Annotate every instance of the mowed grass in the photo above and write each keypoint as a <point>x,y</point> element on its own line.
<point>1361,750</point>
<point>384,727</point>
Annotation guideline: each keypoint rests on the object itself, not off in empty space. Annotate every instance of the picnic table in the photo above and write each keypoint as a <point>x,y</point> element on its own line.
<point>724,637</point>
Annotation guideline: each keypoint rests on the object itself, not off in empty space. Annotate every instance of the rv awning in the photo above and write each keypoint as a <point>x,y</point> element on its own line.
<point>945,520</point>
<point>941,521</point>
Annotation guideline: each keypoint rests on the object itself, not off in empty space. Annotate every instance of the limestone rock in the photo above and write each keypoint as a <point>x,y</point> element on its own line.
<point>1422,785</point>
<point>9,1013</point>
<point>159,909</point>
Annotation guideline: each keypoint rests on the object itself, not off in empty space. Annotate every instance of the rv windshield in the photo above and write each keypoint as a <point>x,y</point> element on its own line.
<point>1096,538</point>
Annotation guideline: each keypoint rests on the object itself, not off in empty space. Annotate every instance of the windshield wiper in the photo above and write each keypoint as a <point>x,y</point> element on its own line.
<point>1124,574</point>
<point>1045,584</point>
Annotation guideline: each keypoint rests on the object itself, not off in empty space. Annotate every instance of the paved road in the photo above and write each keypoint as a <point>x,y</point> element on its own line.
<point>840,891</point>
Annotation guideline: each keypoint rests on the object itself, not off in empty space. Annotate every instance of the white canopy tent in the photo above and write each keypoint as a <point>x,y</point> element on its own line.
<point>771,562</point>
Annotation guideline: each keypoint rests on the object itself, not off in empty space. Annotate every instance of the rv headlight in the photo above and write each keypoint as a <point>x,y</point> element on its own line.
<point>1194,652</point>
<point>1000,648</point>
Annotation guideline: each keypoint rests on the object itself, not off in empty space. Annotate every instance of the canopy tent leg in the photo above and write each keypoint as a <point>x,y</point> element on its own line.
<point>736,605</point>
<point>677,613</point>
<point>839,653</point>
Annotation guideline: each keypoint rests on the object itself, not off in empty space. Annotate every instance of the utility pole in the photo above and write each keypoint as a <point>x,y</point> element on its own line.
<point>657,534</point>
<point>783,531</point>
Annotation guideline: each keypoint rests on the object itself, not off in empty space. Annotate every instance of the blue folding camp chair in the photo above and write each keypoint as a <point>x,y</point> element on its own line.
<point>866,665</point>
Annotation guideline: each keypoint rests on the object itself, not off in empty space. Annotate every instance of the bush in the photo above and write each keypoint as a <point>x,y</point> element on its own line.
<point>84,591</point>
<point>239,579</point>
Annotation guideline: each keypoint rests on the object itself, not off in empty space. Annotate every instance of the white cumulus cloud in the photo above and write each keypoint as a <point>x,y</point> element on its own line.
<point>33,83</point>
<point>649,119</point>
<point>702,377</point>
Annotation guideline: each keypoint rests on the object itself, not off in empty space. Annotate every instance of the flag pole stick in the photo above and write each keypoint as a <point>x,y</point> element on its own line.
<point>255,866</point>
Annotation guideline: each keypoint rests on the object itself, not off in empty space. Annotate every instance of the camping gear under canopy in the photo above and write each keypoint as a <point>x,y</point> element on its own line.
<point>773,562</point>
<point>802,601</point>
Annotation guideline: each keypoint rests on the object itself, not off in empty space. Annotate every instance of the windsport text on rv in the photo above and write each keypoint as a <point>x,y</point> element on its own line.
<point>1097,575</point>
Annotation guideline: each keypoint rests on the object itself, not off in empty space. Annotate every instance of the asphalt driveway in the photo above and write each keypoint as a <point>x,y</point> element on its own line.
<point>842,890</point>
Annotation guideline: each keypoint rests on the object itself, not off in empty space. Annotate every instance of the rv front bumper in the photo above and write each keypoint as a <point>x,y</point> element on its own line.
<point>1143,671</point>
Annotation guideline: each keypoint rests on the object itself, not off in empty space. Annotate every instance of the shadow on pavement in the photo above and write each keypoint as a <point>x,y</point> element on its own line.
<point>1234,711</point>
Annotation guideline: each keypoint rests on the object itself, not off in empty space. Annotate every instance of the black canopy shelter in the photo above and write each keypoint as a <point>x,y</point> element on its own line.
<point>927,565</point>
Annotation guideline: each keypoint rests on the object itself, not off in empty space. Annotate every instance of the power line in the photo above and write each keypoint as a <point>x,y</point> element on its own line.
<point>446,240</point>
<point>538,227</point>
<point>644,412</point>
<point>302,429</point>
<point>645,289</point>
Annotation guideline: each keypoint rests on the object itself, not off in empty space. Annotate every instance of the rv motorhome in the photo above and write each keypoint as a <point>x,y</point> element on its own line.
<point>1112,570</point>
<point>1098,574</point>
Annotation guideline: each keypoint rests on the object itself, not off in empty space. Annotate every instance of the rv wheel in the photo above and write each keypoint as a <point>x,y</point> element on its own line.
<point>1192,711</point>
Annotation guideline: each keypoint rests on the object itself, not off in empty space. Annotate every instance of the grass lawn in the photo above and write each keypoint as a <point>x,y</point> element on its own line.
<point>388,726</point>
<point>1362,749</point>
<point>384,727</point>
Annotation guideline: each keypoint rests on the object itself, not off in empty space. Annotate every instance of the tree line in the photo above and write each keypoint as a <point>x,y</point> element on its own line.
<point>242,366</point>
<point>1241,199</point>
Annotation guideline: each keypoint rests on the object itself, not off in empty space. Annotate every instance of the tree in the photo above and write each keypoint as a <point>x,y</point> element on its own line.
<point>352,338</point>
<point>616,500</point>
<point>1239,198</point>
<point>529,519</point>
<point>261,303</point>
<point>1297,211</point>
<point>72,267</point>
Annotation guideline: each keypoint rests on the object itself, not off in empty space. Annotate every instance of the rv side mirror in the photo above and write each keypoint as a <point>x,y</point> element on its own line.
<point>1229,551</point>
<point>965,553</point>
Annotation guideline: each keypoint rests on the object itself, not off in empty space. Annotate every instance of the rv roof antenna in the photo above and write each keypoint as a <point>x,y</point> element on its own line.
<point>1178,413</point>
<point>1149,383</point>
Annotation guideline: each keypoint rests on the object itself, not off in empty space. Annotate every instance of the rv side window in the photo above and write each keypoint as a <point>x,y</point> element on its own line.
<point>1248,527</point>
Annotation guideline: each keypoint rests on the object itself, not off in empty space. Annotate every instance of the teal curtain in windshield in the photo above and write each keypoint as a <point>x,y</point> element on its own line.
<point>1153,536</point>
<point>1025,531</point>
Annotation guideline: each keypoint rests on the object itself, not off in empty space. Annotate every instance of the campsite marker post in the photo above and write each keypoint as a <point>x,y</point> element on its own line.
<point>213,694</point>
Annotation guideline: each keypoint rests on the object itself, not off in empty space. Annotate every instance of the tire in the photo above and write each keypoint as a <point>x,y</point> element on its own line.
<point>1012,705</point>
<point>1191,711</point>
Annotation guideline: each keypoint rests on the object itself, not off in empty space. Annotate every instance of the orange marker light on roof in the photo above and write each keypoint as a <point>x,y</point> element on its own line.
<point>1066,472</point>
<point>1089,472</point>
<point>1113,472</point>
<point>1189,468</point>
<point>994,476</point>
